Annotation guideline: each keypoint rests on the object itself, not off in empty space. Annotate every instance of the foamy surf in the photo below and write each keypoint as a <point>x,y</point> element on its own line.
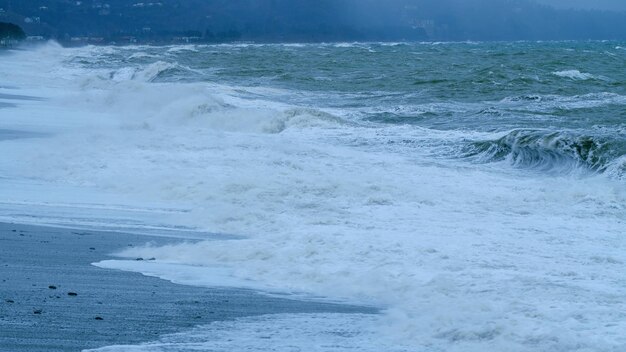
<point>303,332</point>
<point>574,74</point>
<point>476,221</point>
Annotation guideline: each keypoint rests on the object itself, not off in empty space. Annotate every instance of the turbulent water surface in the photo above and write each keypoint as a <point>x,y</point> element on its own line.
<point>475,192</point>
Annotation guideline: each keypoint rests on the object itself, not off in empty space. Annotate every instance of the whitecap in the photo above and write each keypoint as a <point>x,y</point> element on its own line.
<point>574,74</point>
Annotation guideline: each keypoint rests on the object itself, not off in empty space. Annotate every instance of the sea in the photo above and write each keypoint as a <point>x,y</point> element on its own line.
<point>473,192</point>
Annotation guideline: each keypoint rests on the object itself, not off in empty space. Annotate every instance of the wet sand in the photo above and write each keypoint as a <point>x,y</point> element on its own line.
<point>14,134</point>
<point>10,100</point>
<point>19,97</point>
<point>6,105</point>
<point>53,299</point>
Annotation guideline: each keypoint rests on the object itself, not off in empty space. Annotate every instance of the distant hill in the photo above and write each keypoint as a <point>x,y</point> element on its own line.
<point>164,21</point>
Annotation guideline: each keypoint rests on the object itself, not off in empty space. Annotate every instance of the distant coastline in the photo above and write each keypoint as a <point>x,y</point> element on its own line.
<point>117,22</point>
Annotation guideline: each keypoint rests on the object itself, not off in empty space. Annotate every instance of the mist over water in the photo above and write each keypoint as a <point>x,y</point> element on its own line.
<point>474,191</point>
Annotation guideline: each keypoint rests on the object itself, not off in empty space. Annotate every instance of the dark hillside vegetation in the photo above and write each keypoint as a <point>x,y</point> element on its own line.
<point>11,31</point>
<point>165,21</point>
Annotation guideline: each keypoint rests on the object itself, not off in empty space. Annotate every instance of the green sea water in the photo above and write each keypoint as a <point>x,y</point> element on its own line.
<point>552,106</point>
<point>473,192</point>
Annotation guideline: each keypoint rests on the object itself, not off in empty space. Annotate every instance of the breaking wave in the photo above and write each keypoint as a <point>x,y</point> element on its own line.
<point>576,75</point>
<point>550,151</point>
<point>342,207</point>
<point>149,73</point>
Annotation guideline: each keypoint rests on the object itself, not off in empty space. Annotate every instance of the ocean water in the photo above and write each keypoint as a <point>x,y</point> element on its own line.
<point>475,192</point>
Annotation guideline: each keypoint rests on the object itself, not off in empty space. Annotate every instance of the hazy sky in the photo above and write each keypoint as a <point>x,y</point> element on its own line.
<point>588,4</point>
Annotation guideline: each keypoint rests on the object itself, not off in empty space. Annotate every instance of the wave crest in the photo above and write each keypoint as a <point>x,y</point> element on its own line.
<point>551,151</point>
<point>231,118</point>
<point>149,73</point>
<point>576,75</point>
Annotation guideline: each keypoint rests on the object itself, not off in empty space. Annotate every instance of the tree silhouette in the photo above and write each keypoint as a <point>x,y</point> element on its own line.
<point>11,31</point>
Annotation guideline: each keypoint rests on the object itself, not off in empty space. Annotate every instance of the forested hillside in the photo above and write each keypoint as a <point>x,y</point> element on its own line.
<point>306,20</point>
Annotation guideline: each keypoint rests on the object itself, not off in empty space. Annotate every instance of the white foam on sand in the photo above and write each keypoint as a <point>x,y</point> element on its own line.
<point>284,333</point>
<point>462,257</point>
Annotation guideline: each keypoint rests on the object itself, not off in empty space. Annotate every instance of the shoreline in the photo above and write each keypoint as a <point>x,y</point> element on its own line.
<point>53,299</point>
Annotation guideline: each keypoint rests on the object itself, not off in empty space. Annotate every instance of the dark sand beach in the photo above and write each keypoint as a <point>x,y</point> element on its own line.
<point>53,299</point>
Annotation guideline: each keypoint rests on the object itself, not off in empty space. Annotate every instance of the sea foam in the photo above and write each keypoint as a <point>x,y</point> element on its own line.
<point>460,256</point>
<point>574,74</point>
